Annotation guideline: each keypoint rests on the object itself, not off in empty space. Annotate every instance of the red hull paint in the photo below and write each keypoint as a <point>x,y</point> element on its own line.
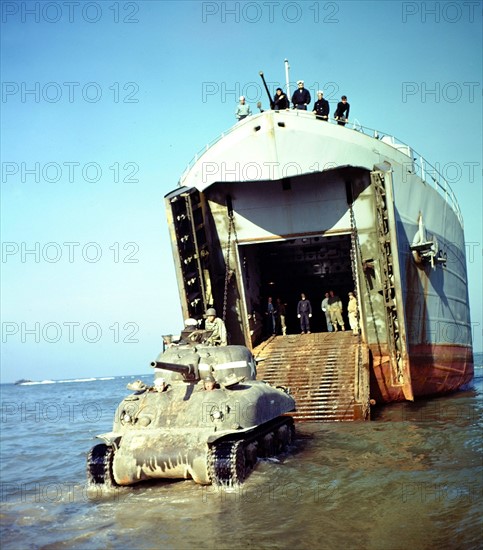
<point>435,369</point>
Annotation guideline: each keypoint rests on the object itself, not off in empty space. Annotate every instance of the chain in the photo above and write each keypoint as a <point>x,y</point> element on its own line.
<point>355,247</point>
<point>227,270</point>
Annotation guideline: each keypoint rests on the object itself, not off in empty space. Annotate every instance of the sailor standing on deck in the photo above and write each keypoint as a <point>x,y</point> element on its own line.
<point>243,109</point>
<point>304,312</point>
<point>280,101</point>
<point>321,107</point>
<point>301,97</point>
<point>342,112</point>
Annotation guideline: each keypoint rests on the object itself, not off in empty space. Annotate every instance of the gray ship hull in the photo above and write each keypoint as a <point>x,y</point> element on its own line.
<point>285,203</point>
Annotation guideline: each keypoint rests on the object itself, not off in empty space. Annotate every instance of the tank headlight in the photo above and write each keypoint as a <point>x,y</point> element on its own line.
<point>216,415</point>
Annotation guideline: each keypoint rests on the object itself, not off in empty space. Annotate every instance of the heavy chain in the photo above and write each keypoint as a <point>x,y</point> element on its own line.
<point>231,224</point>
<point>355,249</point>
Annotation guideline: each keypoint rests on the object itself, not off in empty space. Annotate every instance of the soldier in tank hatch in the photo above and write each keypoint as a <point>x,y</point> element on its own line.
<point>209,383</point>
<point>218,328</point>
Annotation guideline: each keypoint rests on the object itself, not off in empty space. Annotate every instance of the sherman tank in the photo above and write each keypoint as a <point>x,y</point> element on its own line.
<point>205,417</point>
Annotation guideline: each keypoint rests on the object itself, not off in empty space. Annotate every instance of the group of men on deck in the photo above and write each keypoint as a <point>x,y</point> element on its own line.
<point>300,100</point>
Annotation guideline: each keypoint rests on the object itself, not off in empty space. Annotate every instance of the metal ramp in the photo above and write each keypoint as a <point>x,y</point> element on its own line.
<point>322,371</point>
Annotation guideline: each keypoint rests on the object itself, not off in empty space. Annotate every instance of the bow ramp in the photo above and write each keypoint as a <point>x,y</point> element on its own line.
<point>327,373</point>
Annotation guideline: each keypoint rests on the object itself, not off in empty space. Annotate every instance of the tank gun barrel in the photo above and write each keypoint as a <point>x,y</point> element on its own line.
<point>188,372</point>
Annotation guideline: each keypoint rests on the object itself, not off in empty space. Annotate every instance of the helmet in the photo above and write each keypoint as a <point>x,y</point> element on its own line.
<point>210,311</point>
<point>190,322</point>
<point>209,378</point>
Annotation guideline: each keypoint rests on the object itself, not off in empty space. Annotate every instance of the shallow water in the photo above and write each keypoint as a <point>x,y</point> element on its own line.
<point>412,477</point>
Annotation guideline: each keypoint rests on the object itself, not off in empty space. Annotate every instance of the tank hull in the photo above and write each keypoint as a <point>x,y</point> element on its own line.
<point>178,429</point>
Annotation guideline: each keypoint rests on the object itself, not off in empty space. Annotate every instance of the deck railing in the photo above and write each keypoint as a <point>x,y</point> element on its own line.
<point>417,164</point>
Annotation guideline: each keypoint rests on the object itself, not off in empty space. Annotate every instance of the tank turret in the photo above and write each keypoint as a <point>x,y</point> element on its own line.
<point>204,417</point>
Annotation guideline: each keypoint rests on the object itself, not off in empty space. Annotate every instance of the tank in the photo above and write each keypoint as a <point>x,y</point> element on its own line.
<point>205,417</point>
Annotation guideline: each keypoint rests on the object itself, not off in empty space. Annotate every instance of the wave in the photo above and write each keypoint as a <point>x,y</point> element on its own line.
<point>76,380</point>
<point>36,383</point>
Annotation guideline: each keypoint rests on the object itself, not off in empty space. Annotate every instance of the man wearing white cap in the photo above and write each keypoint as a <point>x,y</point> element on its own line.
<point>243,109</point>
<point>301,97</point>
<point>321,107</point>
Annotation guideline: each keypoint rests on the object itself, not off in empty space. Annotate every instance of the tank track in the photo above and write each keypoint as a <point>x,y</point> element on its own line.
<point>231,460</point>
<point>99,465</point>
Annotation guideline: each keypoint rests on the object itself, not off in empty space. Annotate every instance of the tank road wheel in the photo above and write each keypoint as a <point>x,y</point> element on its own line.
<point>99,465</point>
<point>285,436</point>
<point>268,445</point>
<point>251,455</point>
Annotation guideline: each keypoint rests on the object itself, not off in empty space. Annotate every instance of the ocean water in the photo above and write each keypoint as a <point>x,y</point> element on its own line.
<point>410,478</point>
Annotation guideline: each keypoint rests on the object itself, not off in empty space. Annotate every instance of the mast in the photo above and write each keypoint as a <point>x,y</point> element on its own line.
<point>287,80</point>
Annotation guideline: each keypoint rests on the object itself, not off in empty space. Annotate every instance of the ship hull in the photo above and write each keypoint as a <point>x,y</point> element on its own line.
<point>435,370</point>
<point>285,204</point>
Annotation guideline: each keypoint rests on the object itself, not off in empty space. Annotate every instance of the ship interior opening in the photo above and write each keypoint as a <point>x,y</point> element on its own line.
<point>284,269</point>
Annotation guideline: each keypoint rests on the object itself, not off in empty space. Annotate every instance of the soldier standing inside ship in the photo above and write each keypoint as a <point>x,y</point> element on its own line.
<point>335,310</point>
<point>321,107</point>
<point>353,312</point>
<point>304,312</point>
<point>217,326</point>
<point>342,112</point>
<point>281,316</point>
<point>243,109</point>
<point>301,97</point>
<point>280,101</point>
<point>325,308</point>
<point>270,313</point>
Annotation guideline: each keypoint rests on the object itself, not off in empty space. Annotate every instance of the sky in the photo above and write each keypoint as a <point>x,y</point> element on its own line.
<point>105,103</point>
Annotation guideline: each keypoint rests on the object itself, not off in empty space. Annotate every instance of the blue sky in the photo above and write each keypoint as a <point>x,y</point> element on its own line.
<point>105,103</point>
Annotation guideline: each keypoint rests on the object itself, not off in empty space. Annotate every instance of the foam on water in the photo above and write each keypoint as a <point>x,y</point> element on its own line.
<point>409,478</point>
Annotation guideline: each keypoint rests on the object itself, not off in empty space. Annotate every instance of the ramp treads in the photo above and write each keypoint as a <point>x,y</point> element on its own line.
<point>318,368</point>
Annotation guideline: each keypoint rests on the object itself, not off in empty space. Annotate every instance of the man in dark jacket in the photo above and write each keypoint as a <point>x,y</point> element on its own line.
<point>321,107</point>
<point>304,312</point>
<point>280,101</point>
<point>301,97</point>
<point>342,112</point>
